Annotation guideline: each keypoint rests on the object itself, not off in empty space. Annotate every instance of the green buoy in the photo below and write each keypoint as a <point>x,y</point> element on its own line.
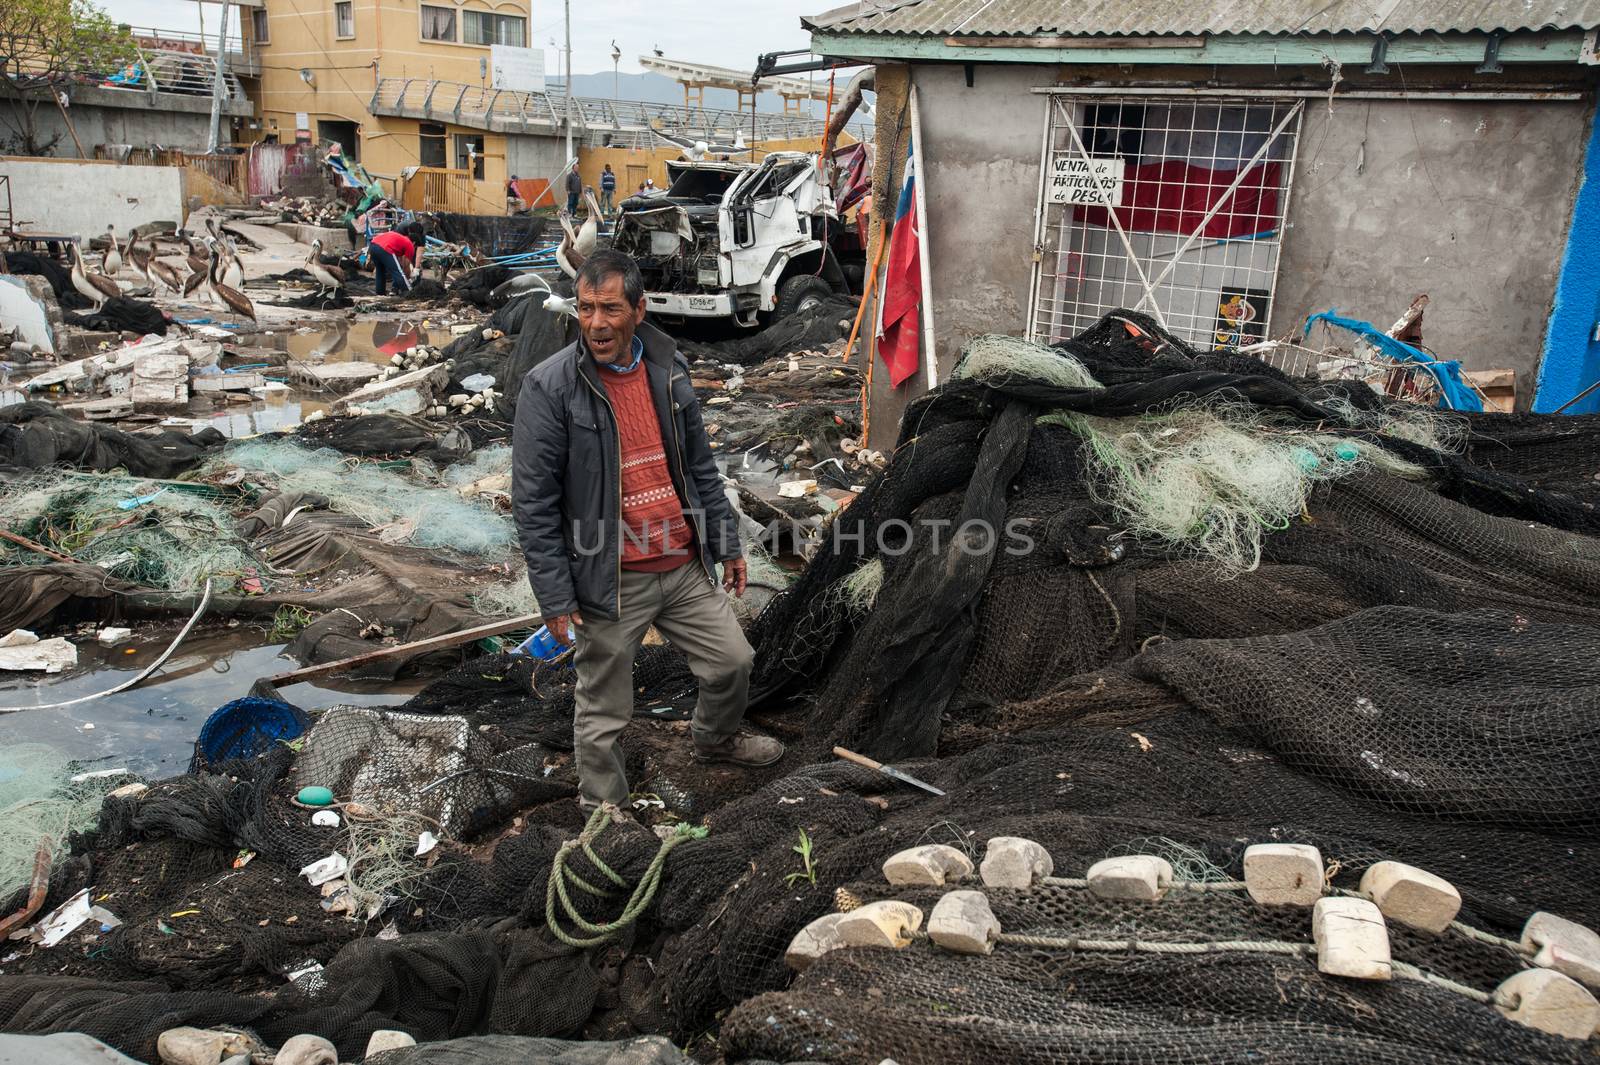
<point>314,796</point>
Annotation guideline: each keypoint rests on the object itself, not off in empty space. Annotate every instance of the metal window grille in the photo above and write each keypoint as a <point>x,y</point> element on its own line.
<point>1171,205</point>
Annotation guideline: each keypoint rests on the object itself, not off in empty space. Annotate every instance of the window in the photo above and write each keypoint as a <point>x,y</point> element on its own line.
<point>438,23</point>
<point>344,18</point>
<point>430,144</point>
<point>1175,208</point>
<point>258,25</point>
<point>469,153</point>
<point>482,27</point>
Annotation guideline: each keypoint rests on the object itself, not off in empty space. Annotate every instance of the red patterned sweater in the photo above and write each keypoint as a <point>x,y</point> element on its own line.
<point>655,536</point>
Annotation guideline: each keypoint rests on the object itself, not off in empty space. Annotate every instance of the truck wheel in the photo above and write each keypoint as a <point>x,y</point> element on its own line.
<point>800,293</point>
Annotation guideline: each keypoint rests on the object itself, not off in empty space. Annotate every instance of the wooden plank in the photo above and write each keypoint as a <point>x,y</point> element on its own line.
<point>432,643</point>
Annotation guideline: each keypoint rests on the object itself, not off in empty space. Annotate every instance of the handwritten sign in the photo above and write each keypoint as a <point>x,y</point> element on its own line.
<point>1091,182</point>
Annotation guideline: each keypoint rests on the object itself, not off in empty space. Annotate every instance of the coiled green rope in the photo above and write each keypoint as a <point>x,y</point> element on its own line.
<point>643,893</point>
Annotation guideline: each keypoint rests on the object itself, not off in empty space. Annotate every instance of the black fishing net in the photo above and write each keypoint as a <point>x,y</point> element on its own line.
<point>35,435</point>
<point>811,329</point>
<point>1405,671</point>
<point>123,314</point>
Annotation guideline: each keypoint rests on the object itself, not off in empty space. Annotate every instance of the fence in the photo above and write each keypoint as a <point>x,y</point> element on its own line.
<point>275,167</point>
<point>432,188</point>
<point>228,171</point>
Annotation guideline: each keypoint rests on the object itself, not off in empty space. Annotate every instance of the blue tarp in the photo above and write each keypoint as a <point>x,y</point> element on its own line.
<point>1454,393</point>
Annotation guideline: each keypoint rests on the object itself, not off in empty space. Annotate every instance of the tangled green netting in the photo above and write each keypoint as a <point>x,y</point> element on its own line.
<point>175,541</point>
<point>1211,479</point>
<point>38,800</point>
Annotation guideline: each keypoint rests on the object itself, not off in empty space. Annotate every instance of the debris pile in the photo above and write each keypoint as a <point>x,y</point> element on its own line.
<point>307,210</point>
<point>1248,718</point>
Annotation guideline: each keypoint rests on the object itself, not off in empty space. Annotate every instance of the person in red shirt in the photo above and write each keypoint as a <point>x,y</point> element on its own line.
<point>394,257</point>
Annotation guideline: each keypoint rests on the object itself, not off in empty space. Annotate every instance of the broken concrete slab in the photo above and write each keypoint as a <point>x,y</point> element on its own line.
<point>929,865</point>
<point>160,381</point>
<point>228,382</point>
<point>410,393</point>
<point>333,240</point>
<point>339,377</point>
<point>1352,939</point>
<point>962,921</point>
<point>1014,862</point>
<point>29,310</point>
<point>22,651</point>
<point>1412,896</point>
<point>880,924</point>
<point>1549,1002</point>
<point>1283,874</point>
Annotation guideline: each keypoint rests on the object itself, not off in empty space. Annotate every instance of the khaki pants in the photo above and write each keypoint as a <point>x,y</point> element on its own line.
<point>696,616</point>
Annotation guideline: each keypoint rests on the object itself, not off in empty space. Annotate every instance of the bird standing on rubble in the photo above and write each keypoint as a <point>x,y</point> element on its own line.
<point>138,257</point>
<point>93,286</point>
<point>327,277</point>
<point>231,298</point>
<point>112,262</point>
<point>164,273</point>
<point>232,272</point>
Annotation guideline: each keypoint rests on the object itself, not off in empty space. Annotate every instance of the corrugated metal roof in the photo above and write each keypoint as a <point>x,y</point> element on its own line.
<point>1068,18</point>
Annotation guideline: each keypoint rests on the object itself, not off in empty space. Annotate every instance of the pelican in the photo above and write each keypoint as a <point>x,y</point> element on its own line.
<point>232,269</point>
<point>235,300</point>
<point>138,257</point>
<point>697,151</point>
<point>164,273</point>
<point>196,278</point>
<point>113,258</point>
<point>96,288</point>
<point>327,277</point>
<point>197,259</point>
<point>575,247</point>
<point>521,285</point>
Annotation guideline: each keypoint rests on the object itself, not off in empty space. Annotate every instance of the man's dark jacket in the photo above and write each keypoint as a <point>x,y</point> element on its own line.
<point>566,476</point>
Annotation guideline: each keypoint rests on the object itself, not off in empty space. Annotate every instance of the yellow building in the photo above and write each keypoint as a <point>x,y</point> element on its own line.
<point>321,63</point>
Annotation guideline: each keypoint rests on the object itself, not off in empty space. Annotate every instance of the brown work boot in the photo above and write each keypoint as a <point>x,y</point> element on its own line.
<point>740,749</point>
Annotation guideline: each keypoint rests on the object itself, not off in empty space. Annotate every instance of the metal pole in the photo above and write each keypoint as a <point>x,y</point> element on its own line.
<point>924,258</point>
<point>214,137</point>
<point>567,8</point>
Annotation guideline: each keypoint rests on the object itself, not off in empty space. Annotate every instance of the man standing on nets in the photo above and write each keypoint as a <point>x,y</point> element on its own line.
<point>622,518</point>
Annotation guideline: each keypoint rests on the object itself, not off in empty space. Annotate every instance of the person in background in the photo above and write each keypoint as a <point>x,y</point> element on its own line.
<point>394,257</point>
<point>623,519</point>
<point>574,190</point>
<point>513,197</point>
<point>608,190</point>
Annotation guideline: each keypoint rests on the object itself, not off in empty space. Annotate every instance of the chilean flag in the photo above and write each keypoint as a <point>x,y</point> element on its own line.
<point>1186,158</point>
<point>900,317</point>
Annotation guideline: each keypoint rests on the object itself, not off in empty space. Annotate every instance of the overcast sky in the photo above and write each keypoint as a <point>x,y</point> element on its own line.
<point>727,33</point>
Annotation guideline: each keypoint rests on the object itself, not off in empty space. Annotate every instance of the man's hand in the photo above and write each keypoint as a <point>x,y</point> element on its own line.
<point>734,575</point>
<point>562,627</point>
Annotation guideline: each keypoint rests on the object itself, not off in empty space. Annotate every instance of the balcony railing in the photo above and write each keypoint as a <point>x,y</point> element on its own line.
<point>624,123</point>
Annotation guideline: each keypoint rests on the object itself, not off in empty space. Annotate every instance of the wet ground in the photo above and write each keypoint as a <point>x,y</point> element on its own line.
<point>150,730</point>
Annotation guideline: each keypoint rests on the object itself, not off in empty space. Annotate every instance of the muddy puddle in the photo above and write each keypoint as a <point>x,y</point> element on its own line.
<point>150,730</point>
<point>336,343</point>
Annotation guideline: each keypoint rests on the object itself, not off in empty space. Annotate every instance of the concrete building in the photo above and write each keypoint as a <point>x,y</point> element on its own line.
<point>322,63</point>
<point>1236,168</point>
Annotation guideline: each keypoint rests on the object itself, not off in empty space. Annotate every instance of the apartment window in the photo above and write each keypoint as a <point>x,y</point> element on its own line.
<point>469,153</point>
<point>438,23</point>
<point>258,25</point>
<point>344,18</point>
<point>430,144</point>
<point>483,27</point>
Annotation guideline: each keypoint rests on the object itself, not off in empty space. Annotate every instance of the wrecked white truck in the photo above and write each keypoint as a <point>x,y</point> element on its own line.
<point>747,243</point>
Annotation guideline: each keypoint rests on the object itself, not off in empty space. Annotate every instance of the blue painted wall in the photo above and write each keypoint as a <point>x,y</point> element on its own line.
<point>1571,354</point>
